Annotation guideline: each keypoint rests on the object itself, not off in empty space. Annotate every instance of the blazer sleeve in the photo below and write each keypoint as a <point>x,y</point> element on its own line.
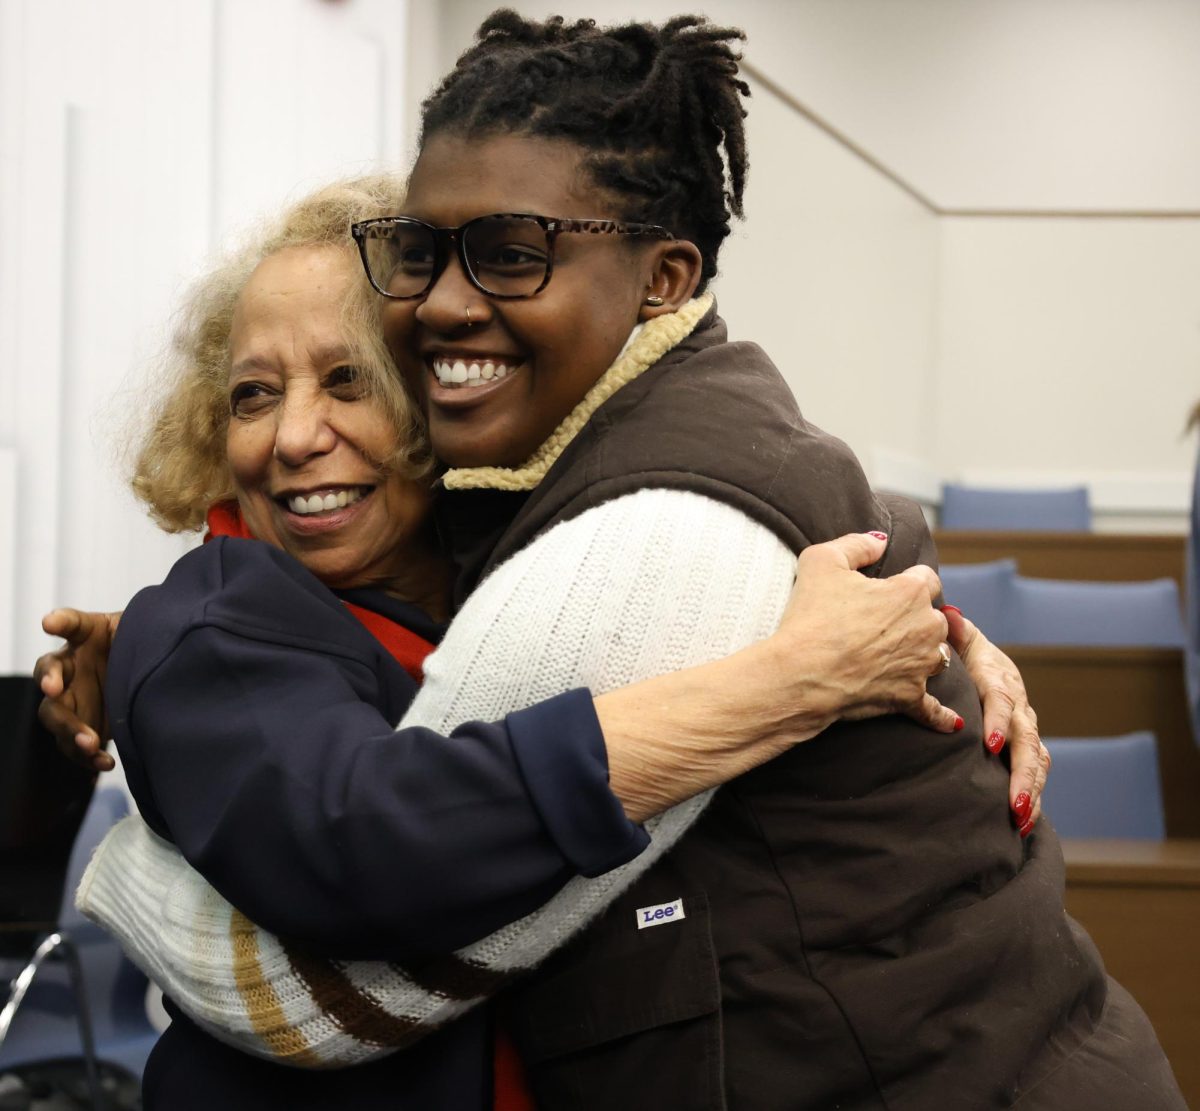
<point>265,756</point>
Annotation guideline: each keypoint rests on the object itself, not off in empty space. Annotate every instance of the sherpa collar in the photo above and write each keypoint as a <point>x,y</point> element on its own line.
<point>656,338</point>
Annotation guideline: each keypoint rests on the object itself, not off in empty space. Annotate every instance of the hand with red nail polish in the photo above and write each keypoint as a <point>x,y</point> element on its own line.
<point>884,638</point>
<point>1008,718</point>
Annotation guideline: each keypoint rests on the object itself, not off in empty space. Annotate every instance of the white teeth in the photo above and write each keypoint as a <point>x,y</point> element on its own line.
<point>305,505</point>
<point>461,373</point>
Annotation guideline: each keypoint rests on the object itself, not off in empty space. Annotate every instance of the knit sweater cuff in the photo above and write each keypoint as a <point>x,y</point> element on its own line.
<point>241,984</point>
<point>559,741</point>
<point>176,930</point>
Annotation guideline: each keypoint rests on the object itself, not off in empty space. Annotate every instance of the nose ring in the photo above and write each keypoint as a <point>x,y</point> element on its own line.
<point>469,321</point>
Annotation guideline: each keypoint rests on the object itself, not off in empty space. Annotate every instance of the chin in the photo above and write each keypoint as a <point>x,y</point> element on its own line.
<point>332,573</point>
<point>460,449</point>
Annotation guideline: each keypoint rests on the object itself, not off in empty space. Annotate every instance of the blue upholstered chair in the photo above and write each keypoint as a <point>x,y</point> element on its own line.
<point>44,1025</point>
<point>1100,614</point>
<point>983,591</point>
<point>967,507</point>
<point>1105,787</point>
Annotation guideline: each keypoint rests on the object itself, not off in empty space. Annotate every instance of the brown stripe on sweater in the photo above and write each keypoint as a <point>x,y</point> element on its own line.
<point>349,1006</point>
<point>259,998</point>
<point>453,977</point>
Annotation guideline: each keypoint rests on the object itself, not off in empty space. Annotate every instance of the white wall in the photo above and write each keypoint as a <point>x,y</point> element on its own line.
<point>834,274</point>
<point>1046,104</point>
<point>1070,350</point>
<point>136,134</point>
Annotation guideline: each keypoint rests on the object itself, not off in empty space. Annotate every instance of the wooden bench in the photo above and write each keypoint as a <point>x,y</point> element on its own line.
<point>1140,901</point>
<point>1096,556</point>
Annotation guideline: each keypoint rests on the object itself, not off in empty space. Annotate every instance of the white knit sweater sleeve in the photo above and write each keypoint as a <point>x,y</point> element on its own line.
<point>645,584</point>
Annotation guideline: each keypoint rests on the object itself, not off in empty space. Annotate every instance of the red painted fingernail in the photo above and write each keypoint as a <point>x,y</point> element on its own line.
<point>954,609</point>
<point>878,535</point>
<point>1022,807</point>
<point>995,742</point>
<point>958,723</point>
<point>1026,829</point>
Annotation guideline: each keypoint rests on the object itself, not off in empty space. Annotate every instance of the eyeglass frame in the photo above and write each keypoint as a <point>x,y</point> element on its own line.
<point>552,226</point>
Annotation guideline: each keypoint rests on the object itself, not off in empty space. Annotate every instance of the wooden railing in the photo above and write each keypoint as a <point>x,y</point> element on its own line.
<point>1070,555</point>
<point>1140,901</point>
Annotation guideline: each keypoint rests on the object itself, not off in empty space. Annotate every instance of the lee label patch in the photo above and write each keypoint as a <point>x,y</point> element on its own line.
<point>659,915</point>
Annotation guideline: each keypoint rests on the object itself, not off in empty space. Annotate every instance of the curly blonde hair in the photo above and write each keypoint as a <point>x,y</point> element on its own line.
<point>180,468</point>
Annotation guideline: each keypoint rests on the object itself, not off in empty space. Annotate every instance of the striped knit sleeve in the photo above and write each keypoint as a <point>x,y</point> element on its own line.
<point>648,583</point>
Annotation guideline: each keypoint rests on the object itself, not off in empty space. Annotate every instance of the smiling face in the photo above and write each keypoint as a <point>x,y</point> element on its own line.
<point>304,443</point>
<point>545,352</point>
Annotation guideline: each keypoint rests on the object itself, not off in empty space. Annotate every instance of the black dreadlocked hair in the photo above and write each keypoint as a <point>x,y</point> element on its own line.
<point>653,105</point>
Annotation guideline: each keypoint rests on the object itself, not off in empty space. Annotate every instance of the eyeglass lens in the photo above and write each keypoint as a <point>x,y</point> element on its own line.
<point>507,256</point>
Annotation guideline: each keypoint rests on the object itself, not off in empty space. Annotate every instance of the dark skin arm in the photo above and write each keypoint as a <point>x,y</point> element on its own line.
<point>72,682</point>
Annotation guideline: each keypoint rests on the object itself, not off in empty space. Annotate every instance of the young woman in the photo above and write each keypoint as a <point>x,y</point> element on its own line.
<point>810,941</point>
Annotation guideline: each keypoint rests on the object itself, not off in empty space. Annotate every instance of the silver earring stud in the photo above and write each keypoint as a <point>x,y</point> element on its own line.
<point>654,300</point>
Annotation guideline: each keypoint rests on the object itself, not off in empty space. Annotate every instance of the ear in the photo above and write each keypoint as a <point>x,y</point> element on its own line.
<point>674,273</point>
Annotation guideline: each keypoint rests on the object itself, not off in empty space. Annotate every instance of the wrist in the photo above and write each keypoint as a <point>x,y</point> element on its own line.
<point>799,674</point>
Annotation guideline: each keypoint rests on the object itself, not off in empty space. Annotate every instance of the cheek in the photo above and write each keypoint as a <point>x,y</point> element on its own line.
<point>408,504</point>
<point>398,321</point>
<point>248,451</point>
<point>369,432</point>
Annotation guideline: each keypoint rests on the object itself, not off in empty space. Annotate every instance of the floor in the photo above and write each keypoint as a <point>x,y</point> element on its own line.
<point>62,1086</point>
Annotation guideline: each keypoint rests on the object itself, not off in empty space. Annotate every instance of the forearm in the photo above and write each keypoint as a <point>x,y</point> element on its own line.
<point>673,736</point>
<point>261,742</point>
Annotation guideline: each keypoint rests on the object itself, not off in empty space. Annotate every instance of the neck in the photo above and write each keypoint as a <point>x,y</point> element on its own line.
<point>425,579</point>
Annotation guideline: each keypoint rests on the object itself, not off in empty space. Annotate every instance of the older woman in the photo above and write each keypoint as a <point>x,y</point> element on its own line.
<point>252,696</point>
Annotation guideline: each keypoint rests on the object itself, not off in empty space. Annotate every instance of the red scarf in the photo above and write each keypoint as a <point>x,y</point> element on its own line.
<point>406,648</point>
<point>510,1091</point>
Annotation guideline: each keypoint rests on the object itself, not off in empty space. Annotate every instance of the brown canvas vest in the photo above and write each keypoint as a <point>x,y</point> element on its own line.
<point>853,925</point>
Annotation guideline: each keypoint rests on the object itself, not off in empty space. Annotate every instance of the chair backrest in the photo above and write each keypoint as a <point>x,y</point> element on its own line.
<point>46,1026</point>
<point>42,802</point>
<point>1100,614</point>
<point>109,805</point>
<point>983,591</point>
<point>969,507</point>
<point>1105,787</point>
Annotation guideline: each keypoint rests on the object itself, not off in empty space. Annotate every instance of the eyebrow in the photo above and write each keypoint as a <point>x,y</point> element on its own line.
<point>331,353</point>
